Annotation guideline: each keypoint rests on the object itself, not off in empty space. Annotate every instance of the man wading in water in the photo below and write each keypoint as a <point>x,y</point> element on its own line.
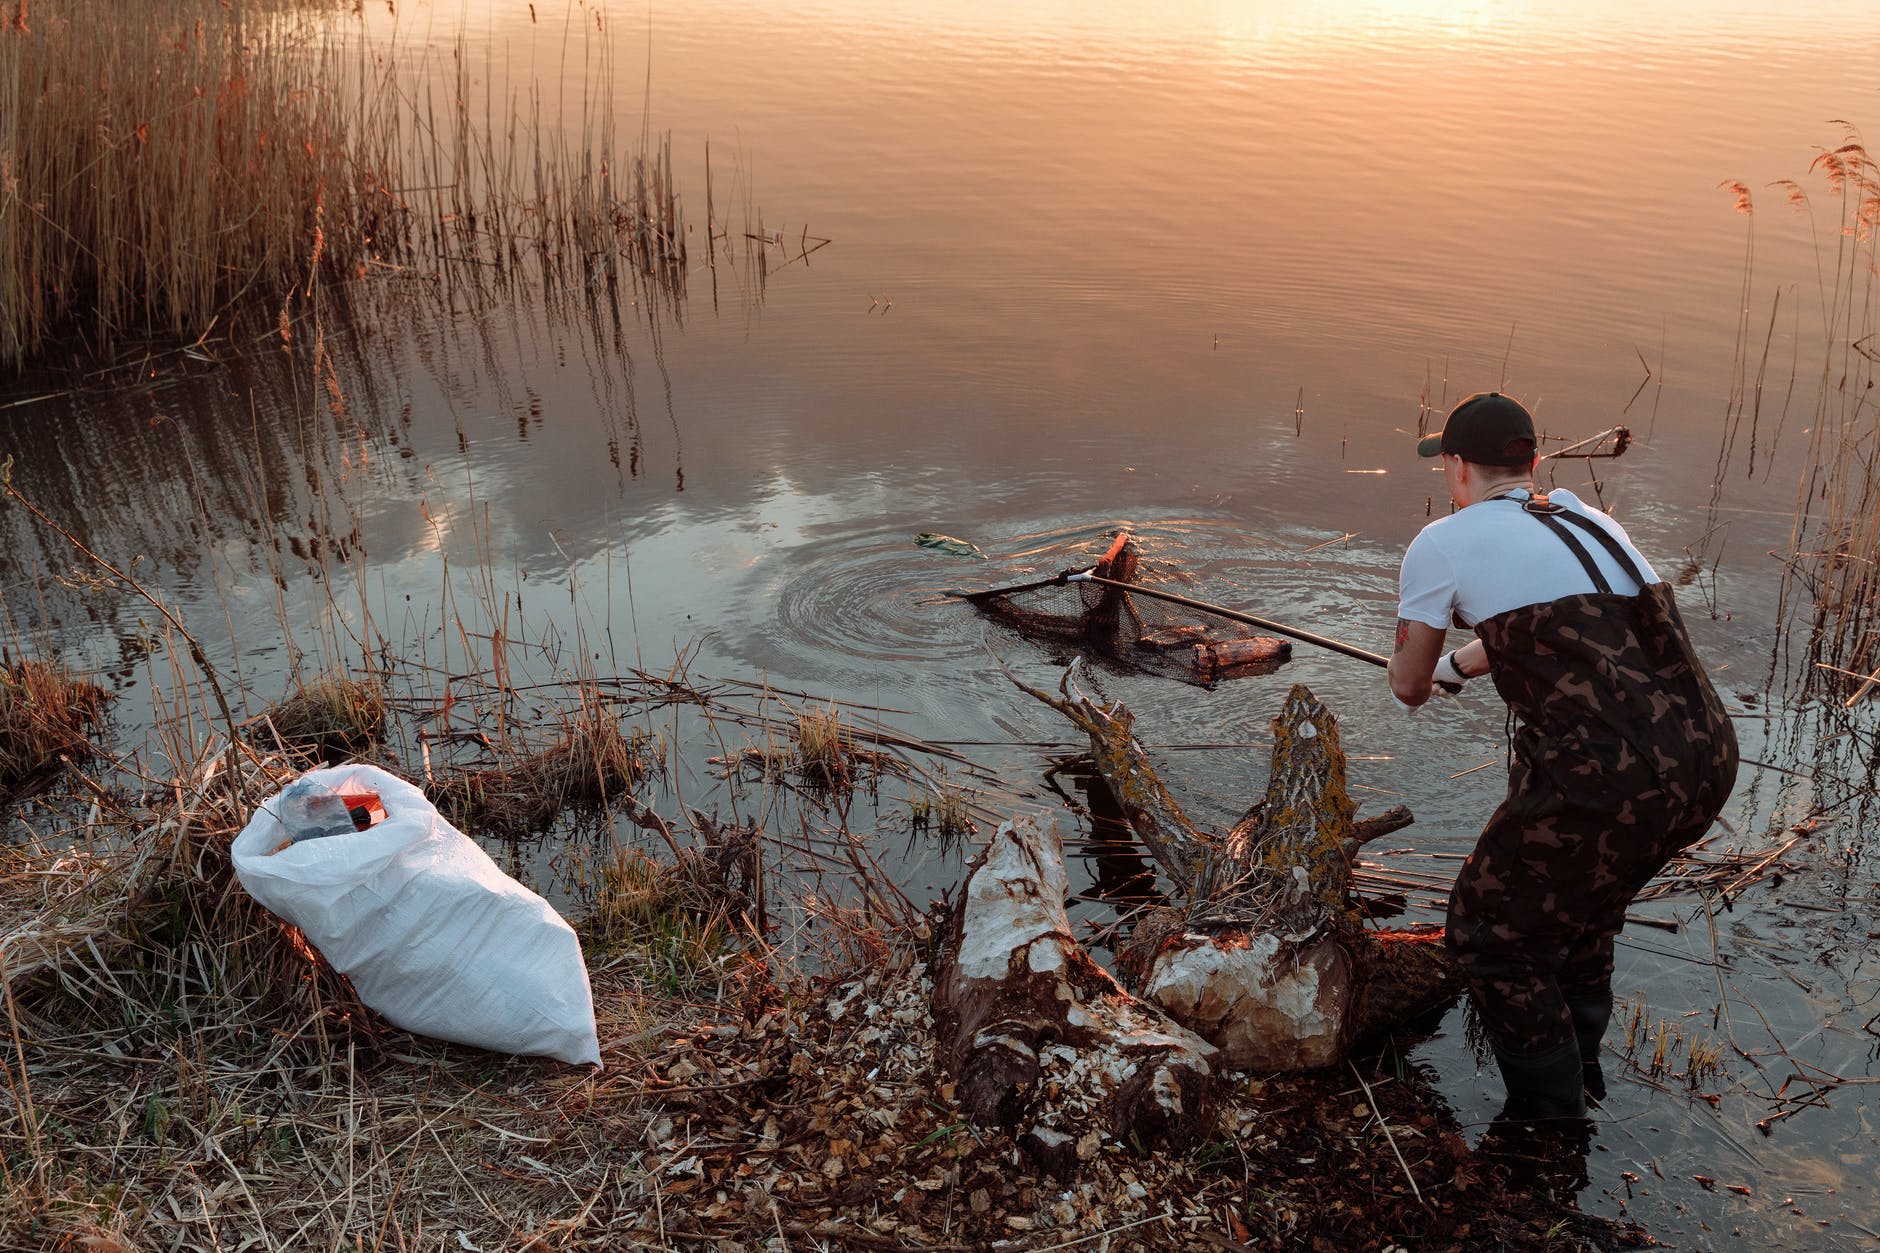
<point>1623,754</point>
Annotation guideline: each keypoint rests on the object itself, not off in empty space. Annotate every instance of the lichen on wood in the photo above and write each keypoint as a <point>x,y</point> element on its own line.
<point>1153,813</point>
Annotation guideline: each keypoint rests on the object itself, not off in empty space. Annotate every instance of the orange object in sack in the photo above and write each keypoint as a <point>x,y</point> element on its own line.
<point>364,808</point>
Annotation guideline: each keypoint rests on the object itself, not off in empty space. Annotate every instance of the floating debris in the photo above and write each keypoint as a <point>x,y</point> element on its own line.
<point>947,544</point>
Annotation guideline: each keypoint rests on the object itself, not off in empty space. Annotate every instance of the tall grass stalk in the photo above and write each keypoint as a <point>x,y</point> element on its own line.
<point>1836,536</point>
<point>167,164</point>
<point>162,160</point>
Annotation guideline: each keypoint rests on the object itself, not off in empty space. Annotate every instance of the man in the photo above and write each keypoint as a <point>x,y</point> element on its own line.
<point>1623,754</point>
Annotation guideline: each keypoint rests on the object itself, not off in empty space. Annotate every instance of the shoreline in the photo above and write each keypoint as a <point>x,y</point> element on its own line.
<point>185,1070</point>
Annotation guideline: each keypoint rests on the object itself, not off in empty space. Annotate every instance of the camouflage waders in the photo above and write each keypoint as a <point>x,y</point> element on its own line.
<point>1622,757</point>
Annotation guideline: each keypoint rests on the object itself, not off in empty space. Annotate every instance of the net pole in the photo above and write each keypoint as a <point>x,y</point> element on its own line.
<point>1061,577</point>
<point>1280,628</point>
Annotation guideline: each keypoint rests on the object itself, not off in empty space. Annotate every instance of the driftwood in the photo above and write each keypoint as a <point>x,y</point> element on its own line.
<point>1266,955</point>
<point>1040,1039</point>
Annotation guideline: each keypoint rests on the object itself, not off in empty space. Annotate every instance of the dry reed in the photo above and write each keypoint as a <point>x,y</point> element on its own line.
<point>590,764</point>
<point>1833,576</point>
<point>161,163</point>
<point>47,718</point>
<point>166,165</point>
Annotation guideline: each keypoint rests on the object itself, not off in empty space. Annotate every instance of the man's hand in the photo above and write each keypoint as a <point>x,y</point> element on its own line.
<point>1448,676</point>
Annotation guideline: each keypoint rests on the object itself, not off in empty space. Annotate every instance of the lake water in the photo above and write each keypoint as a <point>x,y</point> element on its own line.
<point>1193,268</point>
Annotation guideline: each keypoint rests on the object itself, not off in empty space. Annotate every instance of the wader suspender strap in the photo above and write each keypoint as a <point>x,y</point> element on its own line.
<point>1551,515</point>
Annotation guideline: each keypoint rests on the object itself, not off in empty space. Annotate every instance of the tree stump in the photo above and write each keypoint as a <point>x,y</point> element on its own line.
<point>1040,1039</point>
<point>1267,956</point>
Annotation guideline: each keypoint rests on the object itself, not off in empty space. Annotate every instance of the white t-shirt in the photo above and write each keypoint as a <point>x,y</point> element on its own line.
<point>1493,556</point>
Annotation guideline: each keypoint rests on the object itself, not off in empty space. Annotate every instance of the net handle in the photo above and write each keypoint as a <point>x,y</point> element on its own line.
<point>1090,575</point>
<point>1305,637</point>
<point>1057,580</point>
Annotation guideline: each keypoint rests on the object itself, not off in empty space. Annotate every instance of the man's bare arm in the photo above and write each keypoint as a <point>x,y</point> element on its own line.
<point>1412,660</point>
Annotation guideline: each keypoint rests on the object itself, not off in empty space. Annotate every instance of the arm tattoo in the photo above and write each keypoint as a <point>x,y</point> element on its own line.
<point>1403,634</point>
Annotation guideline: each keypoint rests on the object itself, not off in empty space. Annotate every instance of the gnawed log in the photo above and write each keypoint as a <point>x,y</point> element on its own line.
<point>1285,861</point>
<point>1040,1039</point>
<point>1268,1001</point>
<point>1268,957</point>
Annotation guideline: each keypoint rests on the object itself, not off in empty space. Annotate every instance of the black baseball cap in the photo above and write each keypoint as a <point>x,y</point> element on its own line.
<point>1487,428</point>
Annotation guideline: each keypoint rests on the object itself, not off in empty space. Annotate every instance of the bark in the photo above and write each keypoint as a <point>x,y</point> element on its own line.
<point>1151,811</point>
<point>1040,1039</point>
<point>1266,956</point>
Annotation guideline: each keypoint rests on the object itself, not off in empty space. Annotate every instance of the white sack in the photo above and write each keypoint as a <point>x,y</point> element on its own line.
<point>432,933</point>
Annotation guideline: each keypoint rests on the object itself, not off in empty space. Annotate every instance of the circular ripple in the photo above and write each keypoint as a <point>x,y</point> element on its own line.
<point>875,596</point>
<point>878,597</point>
<point>853,602</point>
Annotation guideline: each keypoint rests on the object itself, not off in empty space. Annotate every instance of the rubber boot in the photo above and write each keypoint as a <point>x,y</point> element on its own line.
<point>1542,1135</point>
<point>1590,1017</point>
<point>1546,1086</point>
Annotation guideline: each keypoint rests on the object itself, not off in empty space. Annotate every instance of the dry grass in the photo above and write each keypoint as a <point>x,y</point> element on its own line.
<point>590,763</point>
<point>332,719</point>
<point>182,1067</point>
<point>151,881</point>
<point>660,915</point>
<point>47,717</point>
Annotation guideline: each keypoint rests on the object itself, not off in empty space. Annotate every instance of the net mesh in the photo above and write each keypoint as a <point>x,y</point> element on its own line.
<point>1130,634</point>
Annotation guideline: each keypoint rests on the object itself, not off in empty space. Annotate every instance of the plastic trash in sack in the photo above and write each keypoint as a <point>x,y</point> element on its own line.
<point>312,811</point>
<point>433,935</point>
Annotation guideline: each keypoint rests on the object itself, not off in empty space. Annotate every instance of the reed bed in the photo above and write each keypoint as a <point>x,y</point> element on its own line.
<point>1832,577</point>
<point>163,161</point>
<point>167,166</point>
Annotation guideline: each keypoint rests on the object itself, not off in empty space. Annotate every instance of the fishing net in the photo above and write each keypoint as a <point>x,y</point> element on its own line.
<point>1125,633</point>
